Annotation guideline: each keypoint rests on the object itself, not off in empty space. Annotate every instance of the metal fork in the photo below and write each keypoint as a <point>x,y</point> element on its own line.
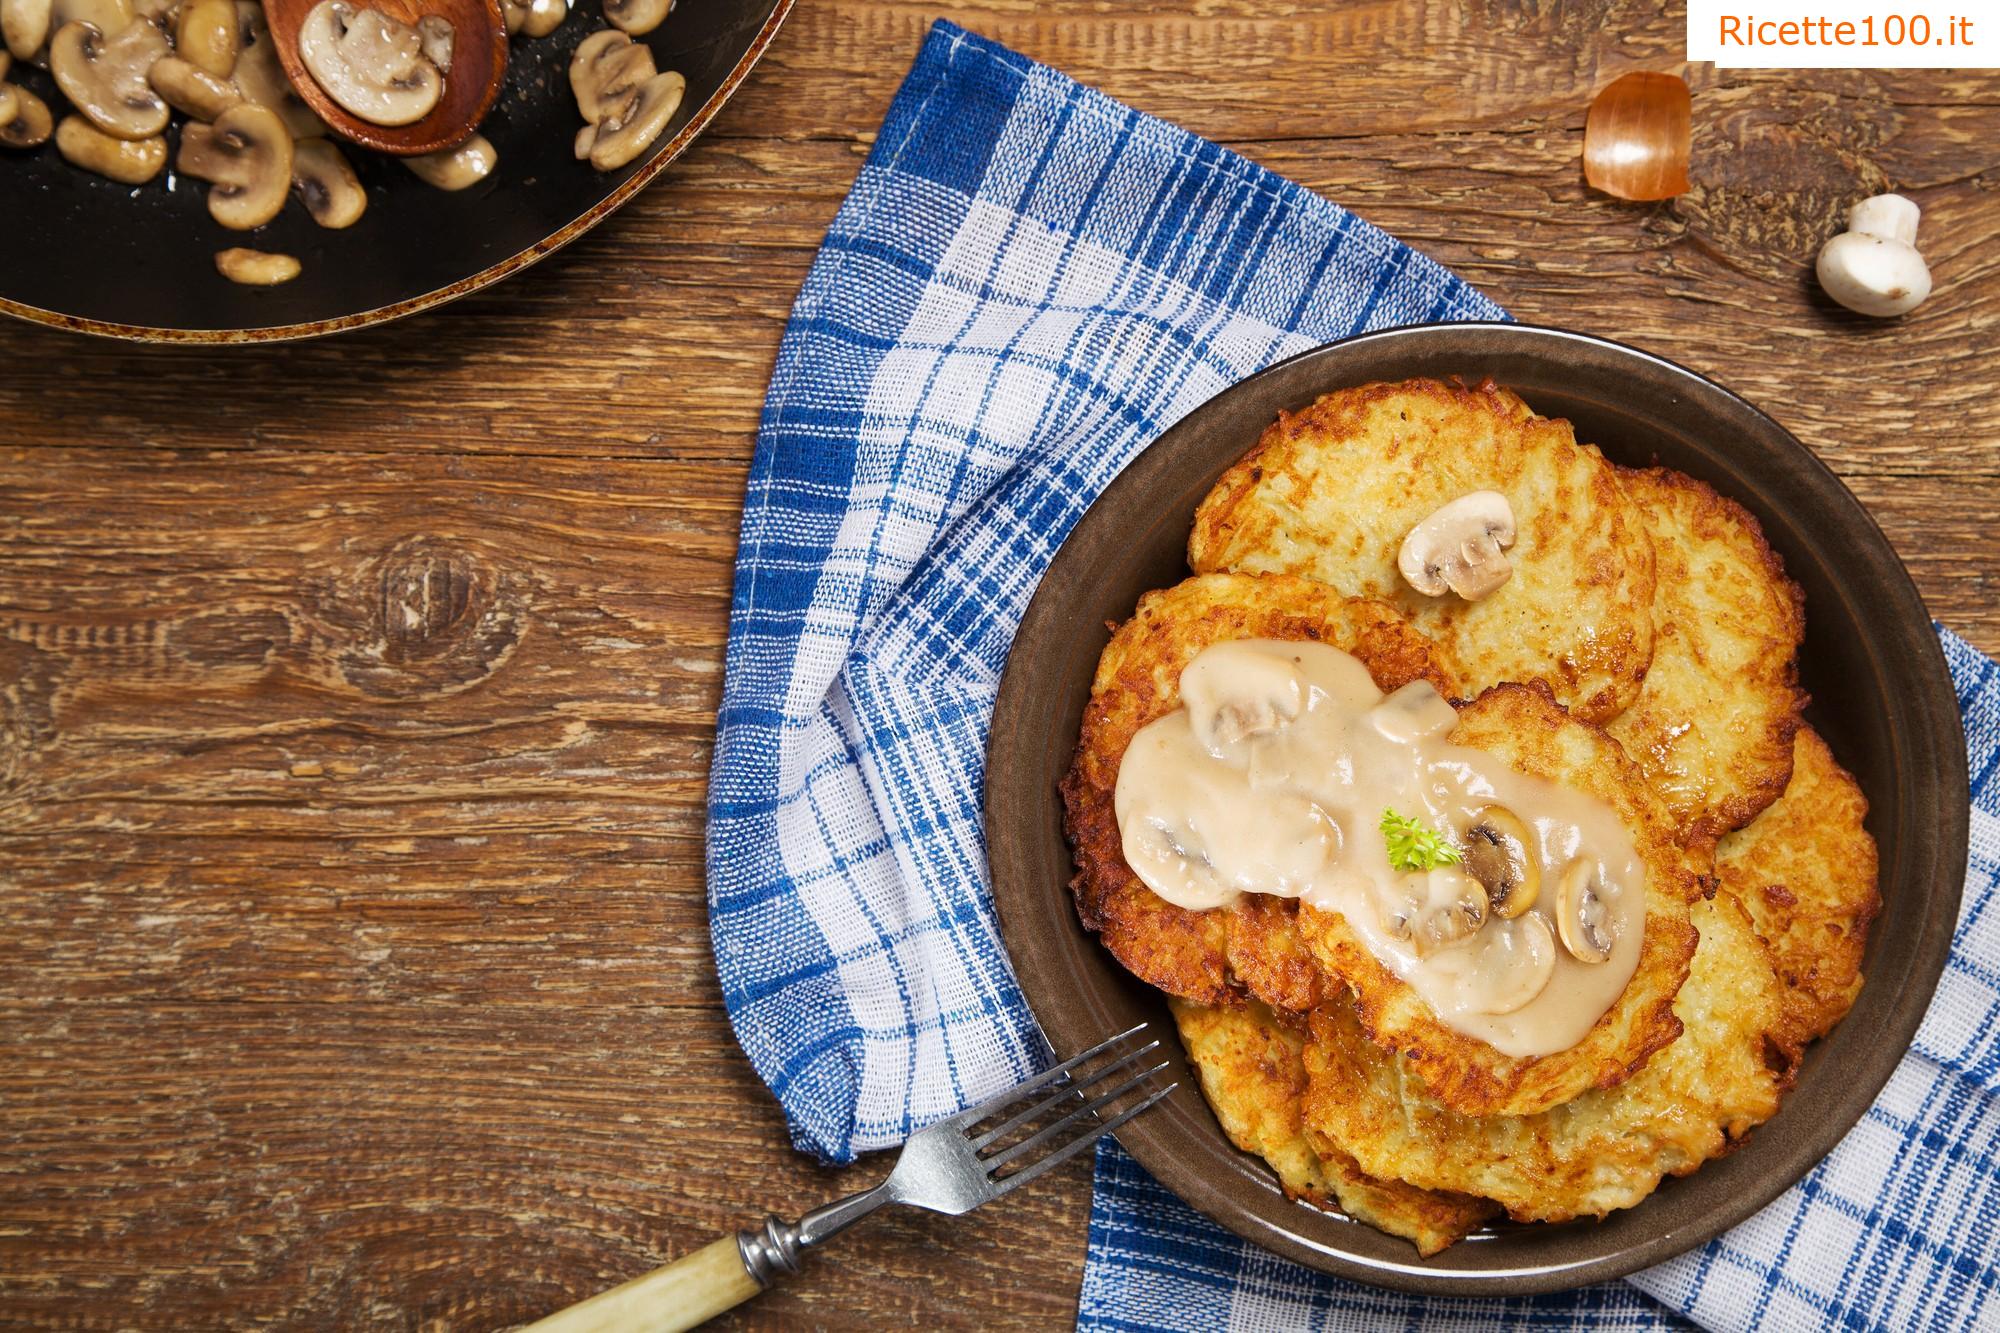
<point>945,1168</point>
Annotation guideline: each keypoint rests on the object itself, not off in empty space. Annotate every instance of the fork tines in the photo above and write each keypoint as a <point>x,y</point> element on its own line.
<point>1068,1083</point>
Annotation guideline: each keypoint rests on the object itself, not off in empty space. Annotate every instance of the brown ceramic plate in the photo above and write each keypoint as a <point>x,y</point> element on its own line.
<point>86,253</point>
<point>1882,698</point>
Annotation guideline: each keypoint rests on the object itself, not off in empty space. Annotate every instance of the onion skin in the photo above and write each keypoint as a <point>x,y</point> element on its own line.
<point>1636,140</point>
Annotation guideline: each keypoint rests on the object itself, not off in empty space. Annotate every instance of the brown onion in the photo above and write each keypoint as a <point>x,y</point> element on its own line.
<point>1635,142</point>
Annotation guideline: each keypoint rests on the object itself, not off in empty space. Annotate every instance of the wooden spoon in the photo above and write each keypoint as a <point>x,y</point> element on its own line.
<point>478,68</point>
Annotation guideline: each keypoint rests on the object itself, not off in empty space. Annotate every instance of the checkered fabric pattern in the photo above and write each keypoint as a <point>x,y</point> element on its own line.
<point>1027,284</point>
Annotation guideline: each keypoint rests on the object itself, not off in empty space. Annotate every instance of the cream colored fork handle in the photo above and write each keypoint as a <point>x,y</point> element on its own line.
<point>687,1291</point>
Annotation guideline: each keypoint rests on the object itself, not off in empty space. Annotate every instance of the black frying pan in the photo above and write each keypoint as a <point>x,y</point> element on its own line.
<point>82,252</point>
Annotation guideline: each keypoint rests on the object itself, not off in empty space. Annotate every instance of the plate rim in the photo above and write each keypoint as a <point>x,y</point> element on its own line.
<point>452,291</point>
<point>1011,739</point>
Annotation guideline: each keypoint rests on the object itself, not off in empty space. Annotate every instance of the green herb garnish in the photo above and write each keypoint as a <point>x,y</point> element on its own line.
<point>1412,846</point>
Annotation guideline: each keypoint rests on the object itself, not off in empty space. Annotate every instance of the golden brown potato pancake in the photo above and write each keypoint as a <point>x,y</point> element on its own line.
<point>1605,1150</point>
<point>1330,492</point>
<point>1805,870</point>
<point>1529,731</point>
<point>1251,1071</point>
<point>1206,956</point>
<point>1713,726</point>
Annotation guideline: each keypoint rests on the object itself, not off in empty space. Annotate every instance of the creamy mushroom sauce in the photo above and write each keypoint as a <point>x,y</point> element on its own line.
<point>1272,777</point>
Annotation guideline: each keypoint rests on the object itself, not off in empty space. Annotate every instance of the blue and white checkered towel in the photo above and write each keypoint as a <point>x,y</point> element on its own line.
<point>1028,283</point>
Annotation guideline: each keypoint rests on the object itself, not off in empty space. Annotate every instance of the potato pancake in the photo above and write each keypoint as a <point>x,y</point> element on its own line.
<point>1805,871</point>
<point>1605,1150</point>
<point>1331,491</point>
<point>1253,1075</point>
<point>1525,728</point>
<point>1713,726</point>
<point>1251,945</point>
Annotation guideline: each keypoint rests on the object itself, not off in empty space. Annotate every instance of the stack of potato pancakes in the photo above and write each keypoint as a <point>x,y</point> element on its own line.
<point>1641,652</point>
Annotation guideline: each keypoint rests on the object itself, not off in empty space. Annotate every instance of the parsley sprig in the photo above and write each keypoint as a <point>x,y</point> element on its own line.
<point>1413,846</point>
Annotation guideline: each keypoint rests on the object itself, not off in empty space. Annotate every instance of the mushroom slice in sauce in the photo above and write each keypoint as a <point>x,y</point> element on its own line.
<point>458,167</point>
<point>207,35</point>
<point>1497,854</point>
<point>31,123</point>
<point>1582,916</point>
<point>127,161</point>
<point>105,77</point>
<point>326,184</point>
<point>1511,965</point>
<point>1458,909</point>
<point>636,16</point>
<point>255,268</point>
<point>247,158</point>
<point>25,24</point>
<point>192,92</point>
<point>369,63</point>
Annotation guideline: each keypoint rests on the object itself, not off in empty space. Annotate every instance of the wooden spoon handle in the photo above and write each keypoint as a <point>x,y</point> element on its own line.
<point>691,1289</point>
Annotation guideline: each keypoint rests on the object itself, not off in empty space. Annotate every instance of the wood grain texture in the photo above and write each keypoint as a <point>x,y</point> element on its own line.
<point>356,697</point>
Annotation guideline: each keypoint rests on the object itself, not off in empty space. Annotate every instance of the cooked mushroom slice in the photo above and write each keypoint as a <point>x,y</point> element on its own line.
<point>255,268</point>
<point>25,24</point>
<point>1582,916</point>
<point>435,38</point>
<point>160,12</point>
<point>262,79</point>
<point>608,68</point>
<point>106,76</point>
<point>127,161</point>
<point>628,132</point>
<point>247,158</point>
<point>533,18</point>
<point>455,168</point>
<point>109,17</point>
<point>1458,909</point>
<point>10,105</point>
<point>31,123</point>
<point>326,184</point>
<point>1459,547</point>
<point>207,36</point>
<point>1511,966</point>
<point>368,62</point>
<point>190,91</point>
<point>1497,854</point>
<point>636,16</point>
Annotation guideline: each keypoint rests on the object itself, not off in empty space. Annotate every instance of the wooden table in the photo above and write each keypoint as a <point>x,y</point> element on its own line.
<point>356,697</point>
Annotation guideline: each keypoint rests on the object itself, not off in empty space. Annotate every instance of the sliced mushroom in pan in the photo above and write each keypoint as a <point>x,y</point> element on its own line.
<point>192,92</point>
<point>262,79</point>
<point>636,16</point>
<point>25,24</point>
<point>207,35</point>
<point>105,77</point>
<point>458,167</point>
<point>246,155</point>
<point>326,185</point>
<point>127,161</point>
<point>256,268</point>
<point>31,123</point>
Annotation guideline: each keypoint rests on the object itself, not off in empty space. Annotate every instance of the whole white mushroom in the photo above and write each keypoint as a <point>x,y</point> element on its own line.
<point>1873,267</point>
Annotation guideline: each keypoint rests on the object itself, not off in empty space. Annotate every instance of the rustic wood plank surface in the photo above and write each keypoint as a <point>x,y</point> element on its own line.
<point>356,697</point>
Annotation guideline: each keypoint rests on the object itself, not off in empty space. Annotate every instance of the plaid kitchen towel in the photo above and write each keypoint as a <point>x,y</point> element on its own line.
<point>1027,284</point>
